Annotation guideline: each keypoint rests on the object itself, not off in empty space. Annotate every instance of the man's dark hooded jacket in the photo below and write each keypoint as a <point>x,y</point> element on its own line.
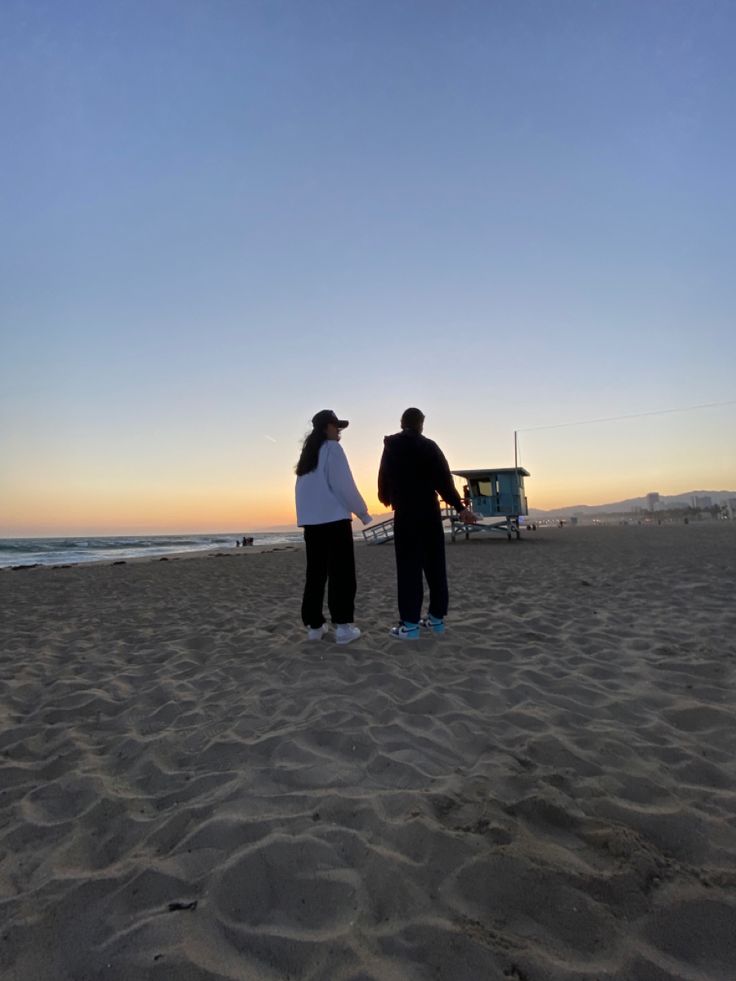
<point>413,471</point>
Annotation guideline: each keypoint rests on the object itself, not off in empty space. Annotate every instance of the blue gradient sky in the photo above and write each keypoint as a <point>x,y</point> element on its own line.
<point>219,217</point>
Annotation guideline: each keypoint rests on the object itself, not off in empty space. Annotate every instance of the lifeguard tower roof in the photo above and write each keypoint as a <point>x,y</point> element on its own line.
<point>472,474</point>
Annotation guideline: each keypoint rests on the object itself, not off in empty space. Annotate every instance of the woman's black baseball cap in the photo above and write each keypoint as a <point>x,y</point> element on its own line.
<point>328,415</point>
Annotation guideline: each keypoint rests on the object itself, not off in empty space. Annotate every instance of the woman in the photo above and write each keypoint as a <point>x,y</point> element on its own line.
<point>326,497</point>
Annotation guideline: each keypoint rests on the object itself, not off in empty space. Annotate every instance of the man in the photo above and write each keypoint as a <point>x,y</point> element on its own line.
<point>413,471</point>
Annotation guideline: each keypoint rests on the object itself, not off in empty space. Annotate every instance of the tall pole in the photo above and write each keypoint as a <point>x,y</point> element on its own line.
<point>516,449</point>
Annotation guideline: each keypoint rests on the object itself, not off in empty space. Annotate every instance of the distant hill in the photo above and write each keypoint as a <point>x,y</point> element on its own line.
<point>633,504</point>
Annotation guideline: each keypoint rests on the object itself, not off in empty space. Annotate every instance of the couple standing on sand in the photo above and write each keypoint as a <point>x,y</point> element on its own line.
<point>413,471</point>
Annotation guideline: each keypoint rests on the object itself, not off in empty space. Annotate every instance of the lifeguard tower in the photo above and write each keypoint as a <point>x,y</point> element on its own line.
<point>497,496</point>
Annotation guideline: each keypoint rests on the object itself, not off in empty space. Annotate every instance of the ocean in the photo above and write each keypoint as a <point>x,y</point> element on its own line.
<point>66,551</point>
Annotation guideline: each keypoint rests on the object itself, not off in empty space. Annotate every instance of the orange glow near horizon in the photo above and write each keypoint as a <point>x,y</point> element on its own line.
<point>116,514</point>
<point>208,510</point>
<point>96,493</point>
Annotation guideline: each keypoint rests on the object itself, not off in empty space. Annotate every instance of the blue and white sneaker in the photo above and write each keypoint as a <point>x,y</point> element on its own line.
<point>435,624</point>
<point>405,631</point>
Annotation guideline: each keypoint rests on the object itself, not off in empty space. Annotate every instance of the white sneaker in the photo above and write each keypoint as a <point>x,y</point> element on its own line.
<point>317,633</point>
<point>345,632</point>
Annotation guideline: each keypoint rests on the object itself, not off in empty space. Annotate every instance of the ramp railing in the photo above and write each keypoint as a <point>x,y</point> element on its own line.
<point>381,533</point>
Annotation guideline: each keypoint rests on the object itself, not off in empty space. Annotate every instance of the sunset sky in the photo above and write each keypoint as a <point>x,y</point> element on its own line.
<point>219,217</point>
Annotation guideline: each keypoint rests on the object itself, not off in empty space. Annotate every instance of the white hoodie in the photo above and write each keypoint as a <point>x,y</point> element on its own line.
<point>329,493</point>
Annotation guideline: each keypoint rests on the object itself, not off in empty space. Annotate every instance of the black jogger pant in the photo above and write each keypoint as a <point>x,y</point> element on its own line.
<point>331,560</point>
<point>419,542</point>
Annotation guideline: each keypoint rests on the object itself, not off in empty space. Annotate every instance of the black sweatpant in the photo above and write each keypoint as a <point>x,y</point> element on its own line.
<point>331,560</point>
<point>419,542</point>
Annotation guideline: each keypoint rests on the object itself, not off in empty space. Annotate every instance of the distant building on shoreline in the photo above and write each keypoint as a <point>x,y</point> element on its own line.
<point>696,505</point>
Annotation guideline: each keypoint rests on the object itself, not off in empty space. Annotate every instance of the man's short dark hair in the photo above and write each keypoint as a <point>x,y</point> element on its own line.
<point>412,419</point>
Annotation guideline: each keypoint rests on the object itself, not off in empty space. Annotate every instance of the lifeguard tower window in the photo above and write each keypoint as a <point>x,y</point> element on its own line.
<point>483,488</point>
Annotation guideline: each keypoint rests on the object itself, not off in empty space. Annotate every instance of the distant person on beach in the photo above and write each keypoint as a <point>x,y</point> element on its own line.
<point>326,499</point>
<point>413,472</point>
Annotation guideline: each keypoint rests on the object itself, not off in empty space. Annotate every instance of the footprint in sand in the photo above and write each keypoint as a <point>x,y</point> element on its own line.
<point>288,885</point>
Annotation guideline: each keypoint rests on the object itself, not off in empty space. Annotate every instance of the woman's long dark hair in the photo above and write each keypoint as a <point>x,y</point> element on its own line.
<point>310,452</point>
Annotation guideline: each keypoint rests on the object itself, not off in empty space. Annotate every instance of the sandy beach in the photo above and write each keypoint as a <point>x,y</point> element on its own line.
<point>189,791</point>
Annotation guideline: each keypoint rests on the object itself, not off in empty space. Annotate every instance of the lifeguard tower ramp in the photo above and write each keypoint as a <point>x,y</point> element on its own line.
<point>380,533</point>
<point>497,496</point>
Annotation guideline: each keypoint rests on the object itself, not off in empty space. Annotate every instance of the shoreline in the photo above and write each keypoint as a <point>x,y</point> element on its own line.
<point>539,534</point>
<point>202,553</point>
